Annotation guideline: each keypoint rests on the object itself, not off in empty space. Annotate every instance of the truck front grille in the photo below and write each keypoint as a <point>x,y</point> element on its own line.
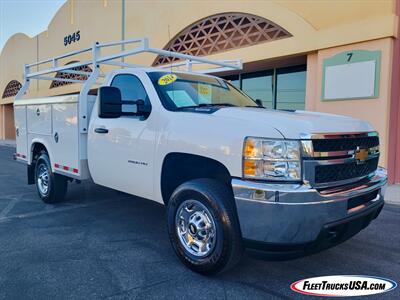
<point>336,159</point>
<point>345,171</point>
<point>343,144</point>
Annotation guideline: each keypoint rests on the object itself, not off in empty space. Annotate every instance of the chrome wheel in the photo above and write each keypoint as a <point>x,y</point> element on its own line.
<point>43,179</point>
<point>195,228</point>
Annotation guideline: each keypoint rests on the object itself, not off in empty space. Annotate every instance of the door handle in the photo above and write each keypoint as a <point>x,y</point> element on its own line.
<point>101,130</point>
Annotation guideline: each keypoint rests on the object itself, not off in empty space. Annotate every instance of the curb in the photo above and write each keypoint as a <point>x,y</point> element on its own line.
<point>396,203</point>
<point>392,194</point>
<point>8,143</point>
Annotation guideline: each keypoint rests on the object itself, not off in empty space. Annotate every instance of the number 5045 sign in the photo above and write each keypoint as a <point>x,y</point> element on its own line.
<point>72,38</point>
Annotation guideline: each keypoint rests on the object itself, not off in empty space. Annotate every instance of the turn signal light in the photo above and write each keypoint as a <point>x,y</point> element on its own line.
<point>250,167</point>
<point>252,148</point>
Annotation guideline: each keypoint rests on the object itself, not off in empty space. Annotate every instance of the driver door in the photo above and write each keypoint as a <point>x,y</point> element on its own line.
<point>121,150</point>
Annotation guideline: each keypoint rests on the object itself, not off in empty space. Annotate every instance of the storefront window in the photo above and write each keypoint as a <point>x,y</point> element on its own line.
<point>259,86</point>
<point>290,86</point>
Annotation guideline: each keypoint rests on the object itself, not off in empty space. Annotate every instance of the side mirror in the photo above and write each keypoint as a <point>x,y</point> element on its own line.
<point>259,103</point>
<point>110,103</point>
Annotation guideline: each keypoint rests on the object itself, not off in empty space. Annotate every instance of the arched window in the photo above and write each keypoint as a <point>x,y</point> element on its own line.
<point>64,75</point>
<point>12,89</point>
<point>222,32</point>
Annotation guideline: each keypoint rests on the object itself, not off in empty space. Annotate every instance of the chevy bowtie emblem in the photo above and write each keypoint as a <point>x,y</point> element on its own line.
<point>361,155</point>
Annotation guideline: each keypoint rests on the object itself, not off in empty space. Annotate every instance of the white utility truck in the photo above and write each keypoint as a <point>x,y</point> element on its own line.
<point>231,173</point>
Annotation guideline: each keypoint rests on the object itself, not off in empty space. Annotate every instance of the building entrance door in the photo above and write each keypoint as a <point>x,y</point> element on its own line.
<point>9,129</point>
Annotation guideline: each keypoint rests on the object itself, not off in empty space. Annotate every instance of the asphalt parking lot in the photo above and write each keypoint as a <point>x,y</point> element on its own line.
<point>101,243</point>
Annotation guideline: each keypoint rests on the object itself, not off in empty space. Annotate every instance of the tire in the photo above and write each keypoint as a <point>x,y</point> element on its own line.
<point>51,187</point>
<point>214,244</point>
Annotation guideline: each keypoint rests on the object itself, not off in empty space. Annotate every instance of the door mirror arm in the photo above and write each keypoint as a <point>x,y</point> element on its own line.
<point>141,108</point>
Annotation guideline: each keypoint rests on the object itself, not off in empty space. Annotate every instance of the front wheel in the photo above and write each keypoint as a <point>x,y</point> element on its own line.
<point>203,226</point>
<point>51,187</point>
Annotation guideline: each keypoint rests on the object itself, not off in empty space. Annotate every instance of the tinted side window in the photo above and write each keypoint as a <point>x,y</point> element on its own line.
<point>131,89</point>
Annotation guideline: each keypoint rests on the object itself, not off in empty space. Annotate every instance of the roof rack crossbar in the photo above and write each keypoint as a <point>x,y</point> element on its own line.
<point>122,54</point>
<point>189,63</point>
<point>192,58</point>
<point>58,79</point>
<point>76,72</point>
<point>57,69</point>
<point>56,58</point>
<point>121,64</point>
<point>124,42</point>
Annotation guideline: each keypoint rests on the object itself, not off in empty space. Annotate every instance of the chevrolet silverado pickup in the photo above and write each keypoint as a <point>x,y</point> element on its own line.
<point>231,173</point>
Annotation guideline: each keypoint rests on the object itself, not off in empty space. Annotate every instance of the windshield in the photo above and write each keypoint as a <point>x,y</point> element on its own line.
<point>181,91</point>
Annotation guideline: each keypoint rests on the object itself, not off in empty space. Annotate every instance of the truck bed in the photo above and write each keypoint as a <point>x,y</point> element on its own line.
<point>53,122</point>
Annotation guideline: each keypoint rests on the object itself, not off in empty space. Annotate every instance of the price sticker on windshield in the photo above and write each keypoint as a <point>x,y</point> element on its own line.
<point>167,79</point>
<point>204,91</point>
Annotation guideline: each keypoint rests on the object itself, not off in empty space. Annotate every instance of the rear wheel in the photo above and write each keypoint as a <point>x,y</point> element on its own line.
<point>51,187</point>
<point>203,226</point>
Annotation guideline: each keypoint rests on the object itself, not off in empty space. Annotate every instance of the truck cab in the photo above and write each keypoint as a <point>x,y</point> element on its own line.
<point>231,173</point>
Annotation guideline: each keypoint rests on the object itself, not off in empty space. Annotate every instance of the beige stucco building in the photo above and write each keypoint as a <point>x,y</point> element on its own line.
<point>294,52</point>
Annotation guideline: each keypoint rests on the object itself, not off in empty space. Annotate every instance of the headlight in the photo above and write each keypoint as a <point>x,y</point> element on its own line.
<point>271,159</point>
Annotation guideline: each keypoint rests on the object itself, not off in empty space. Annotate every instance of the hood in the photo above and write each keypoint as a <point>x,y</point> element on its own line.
<point>294,124</point>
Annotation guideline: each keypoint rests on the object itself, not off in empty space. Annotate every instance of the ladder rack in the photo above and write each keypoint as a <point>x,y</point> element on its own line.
<point>97,59</point>
<point>142,46</point>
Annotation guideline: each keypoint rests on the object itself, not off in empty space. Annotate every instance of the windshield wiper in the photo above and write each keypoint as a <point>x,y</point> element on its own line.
<point>206,105</point>
<point>215,104</point>
<point>255,106</point>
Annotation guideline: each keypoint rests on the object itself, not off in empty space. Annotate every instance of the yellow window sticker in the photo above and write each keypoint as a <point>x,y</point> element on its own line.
<point>167,79</point>
<point>204,91</point>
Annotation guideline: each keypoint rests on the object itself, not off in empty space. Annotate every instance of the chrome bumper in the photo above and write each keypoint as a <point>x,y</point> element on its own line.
<point>296,214</point>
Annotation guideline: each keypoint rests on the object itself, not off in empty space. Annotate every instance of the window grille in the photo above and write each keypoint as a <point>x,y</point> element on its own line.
<point>220,33</point>
<point>12,89</point>
<point>64,75</point>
